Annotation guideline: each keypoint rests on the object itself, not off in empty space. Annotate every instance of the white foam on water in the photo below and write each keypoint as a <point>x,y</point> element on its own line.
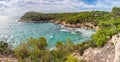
<point>52,48</point>
<point>63,26</point>
<point>85,32</point>
<point>65,30</point>
<point>51,37</point>
<point>73,32</point>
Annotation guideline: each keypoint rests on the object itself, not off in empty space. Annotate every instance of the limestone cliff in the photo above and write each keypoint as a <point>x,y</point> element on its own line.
<point>109,53</point>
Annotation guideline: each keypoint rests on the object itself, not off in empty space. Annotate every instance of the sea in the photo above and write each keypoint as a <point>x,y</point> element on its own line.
<point>15,33</point>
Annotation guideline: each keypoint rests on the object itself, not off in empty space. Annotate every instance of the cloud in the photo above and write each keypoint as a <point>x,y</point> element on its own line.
<point>19,7</point>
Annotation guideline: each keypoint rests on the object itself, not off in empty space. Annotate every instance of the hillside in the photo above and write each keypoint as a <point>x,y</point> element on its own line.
<point>72,18</point>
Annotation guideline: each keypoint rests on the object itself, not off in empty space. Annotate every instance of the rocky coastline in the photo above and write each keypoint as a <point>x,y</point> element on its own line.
<point>87,25</point>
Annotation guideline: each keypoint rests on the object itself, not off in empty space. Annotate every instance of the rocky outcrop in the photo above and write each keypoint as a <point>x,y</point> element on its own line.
<point>109,53</point>
<point>116,40</point>
<point>104,54</point>
<point>7,59</point>
<point>87,25</point>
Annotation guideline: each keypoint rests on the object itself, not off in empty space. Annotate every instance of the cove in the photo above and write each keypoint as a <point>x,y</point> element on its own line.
<point>18,32</point>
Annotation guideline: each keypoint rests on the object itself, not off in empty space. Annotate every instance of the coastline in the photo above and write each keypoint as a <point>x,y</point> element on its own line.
<point>87,25</point>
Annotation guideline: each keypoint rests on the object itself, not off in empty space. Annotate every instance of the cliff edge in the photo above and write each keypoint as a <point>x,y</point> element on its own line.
<point>108,53</point>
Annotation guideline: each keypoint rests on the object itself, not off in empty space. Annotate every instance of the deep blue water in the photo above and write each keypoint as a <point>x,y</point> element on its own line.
<point>16,32</point>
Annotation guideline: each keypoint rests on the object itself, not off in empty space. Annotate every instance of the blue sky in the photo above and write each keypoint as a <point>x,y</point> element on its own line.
<point>19,7</point>
<point>91,2</point>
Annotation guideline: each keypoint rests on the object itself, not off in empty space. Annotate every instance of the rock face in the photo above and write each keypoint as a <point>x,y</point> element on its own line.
<point>109,53</point>
<point>116,40</point>
<point>8,59</point>
<point>104,54</point>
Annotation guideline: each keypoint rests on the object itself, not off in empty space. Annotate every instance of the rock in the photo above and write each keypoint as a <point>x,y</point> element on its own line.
<point>73,26</point>
<point>116,40</point>
<point>103,54</point>
<point>63,23</point>
<point>108,53</point>
<point>57,22</point>
<point>78,25</point>
<point>87,25</point>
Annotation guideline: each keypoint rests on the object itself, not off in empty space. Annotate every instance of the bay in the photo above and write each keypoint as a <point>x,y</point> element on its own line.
<point>17,32</point>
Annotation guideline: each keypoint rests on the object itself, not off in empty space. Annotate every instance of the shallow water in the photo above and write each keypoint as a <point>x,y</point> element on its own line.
<point>16,32</point>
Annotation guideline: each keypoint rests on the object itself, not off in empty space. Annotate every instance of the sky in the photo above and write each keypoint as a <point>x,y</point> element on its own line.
<point>9,8</point>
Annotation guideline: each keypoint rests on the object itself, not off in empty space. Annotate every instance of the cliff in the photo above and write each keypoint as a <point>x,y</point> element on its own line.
<point>116,40</point>
<point>108,53</point>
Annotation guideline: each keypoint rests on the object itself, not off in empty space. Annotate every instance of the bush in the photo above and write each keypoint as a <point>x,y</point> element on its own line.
<point>82,60</point>
<point>112,43</point>
<point>33,49</point>
<point>5,49</point>
<point>71,59</point>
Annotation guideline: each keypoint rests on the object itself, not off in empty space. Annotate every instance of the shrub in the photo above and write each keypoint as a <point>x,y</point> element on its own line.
<point>71,59</point>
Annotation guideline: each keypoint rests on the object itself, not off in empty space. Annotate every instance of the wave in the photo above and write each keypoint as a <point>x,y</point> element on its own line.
<point>85,32</point>
<point>50,37</point>
<point>63,26</point>
<point>73,32</point>
<point>65,30</point>
<point>52,48</point>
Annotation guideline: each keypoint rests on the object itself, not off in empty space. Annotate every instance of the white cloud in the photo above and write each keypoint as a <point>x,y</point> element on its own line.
<point>19,7</point>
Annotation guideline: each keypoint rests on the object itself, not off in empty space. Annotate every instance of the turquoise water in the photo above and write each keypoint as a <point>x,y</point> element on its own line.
<point>17,32</point>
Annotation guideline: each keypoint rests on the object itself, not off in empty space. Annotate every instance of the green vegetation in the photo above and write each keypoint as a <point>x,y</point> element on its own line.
<point>84,45</point>
<point>35,50</point>
<point>106,31</point>
<point>34,16</point>
<point>116,11</point>
<point>71,59</point>
<point>72,18</point>
<point>5,49</point>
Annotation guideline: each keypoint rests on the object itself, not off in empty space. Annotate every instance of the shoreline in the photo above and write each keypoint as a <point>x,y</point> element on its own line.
<point>87,25</point>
